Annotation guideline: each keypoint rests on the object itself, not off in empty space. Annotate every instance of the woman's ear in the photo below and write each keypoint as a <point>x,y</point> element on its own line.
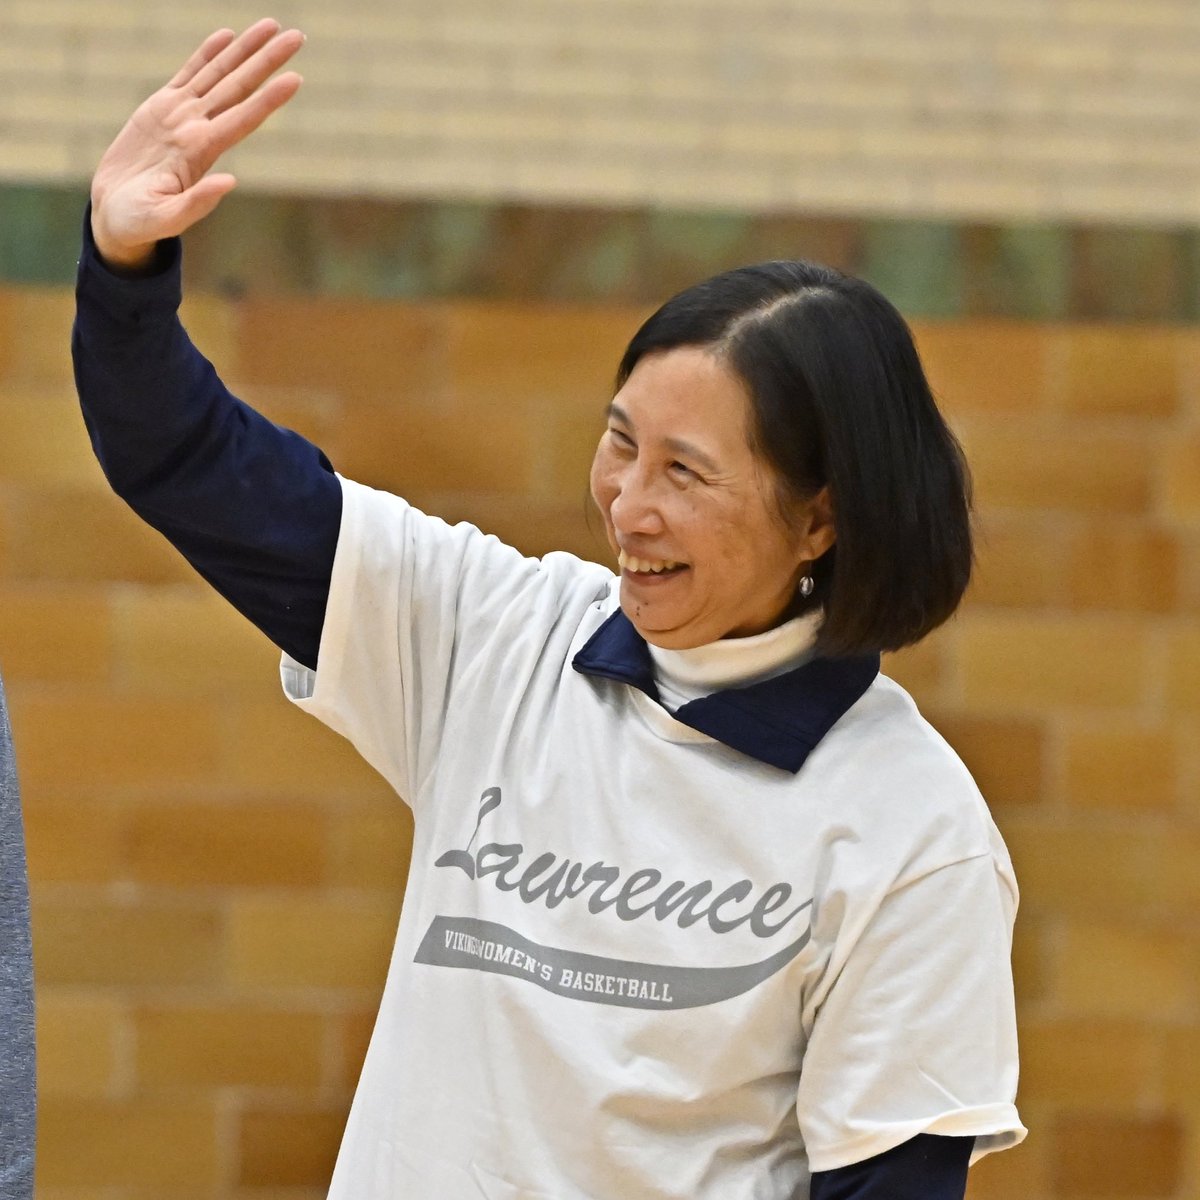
<point>815,525</point>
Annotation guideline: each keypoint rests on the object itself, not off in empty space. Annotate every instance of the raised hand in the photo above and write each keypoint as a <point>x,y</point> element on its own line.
<point>154,181</point>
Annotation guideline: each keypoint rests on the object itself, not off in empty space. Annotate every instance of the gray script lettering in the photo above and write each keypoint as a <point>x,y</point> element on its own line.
<point>551,880</point>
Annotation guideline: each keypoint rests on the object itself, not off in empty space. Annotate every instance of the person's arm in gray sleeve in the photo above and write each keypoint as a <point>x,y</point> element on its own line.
<point>17,1076</point>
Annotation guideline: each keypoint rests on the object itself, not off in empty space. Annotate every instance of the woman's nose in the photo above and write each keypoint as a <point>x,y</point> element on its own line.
<point>634,508</point>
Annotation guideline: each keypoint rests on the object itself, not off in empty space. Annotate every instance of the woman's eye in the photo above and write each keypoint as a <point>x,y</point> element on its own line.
<point>621,439</point>
<point>681,469</point>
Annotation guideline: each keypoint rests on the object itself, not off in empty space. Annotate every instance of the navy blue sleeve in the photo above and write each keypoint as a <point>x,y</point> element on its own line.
<point>253,507</point>
<point>927,1167</point>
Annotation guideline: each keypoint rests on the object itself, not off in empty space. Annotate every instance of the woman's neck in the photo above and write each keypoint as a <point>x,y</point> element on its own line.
<point>684,675</point>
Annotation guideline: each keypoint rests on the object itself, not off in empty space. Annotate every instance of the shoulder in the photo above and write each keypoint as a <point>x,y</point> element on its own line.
<point>887,721</point>
<point>906,786</point>
<point>386,539</point>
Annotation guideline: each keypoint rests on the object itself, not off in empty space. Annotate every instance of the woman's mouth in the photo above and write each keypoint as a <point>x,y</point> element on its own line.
<point>644,567</point>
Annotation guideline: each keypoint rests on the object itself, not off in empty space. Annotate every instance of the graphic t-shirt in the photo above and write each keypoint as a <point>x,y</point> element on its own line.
<point>635,963</point>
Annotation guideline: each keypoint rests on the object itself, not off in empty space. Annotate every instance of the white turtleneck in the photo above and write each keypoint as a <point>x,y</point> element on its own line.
<point>685,675</point>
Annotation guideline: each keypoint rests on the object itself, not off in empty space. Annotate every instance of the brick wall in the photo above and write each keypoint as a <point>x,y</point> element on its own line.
<point>216,878</point>
<point>1080,109</point>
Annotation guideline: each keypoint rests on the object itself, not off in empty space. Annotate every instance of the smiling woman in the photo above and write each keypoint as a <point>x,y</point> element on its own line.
<point>818,1004</point>
<point>707,545</point>
<point>813,384</point>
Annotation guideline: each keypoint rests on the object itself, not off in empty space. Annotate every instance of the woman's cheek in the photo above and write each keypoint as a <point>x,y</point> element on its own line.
<point>603,480</point>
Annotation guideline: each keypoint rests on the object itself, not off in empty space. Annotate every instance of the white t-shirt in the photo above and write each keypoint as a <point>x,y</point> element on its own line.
<point>634,963</point>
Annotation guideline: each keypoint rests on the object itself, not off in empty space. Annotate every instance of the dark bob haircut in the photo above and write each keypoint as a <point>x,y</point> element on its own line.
<point>839,398</point>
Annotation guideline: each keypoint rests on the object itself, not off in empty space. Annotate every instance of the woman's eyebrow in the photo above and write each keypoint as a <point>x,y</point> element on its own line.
<point>676,445</point>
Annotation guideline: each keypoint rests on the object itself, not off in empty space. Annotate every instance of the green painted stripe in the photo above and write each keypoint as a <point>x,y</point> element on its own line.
<point>431,249</point>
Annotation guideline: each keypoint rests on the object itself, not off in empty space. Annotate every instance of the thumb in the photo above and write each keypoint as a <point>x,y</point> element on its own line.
<point>199,200</point>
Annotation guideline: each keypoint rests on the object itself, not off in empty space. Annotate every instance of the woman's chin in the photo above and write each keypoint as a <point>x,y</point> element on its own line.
<point>655,625</point>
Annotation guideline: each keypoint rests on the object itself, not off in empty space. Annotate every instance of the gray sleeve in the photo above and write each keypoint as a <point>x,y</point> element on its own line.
<point>17,1098</point>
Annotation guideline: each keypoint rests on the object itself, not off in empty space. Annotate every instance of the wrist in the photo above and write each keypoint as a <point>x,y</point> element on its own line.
<point>119,259</point>
<point>140,260</point>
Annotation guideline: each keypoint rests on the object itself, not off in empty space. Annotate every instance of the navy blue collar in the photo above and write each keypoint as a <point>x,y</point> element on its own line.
<point>778,721</point>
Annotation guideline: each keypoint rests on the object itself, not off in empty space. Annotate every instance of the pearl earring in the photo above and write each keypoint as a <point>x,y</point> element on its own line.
<point>806,586</point>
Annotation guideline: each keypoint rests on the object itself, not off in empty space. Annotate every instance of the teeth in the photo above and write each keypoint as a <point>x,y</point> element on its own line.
<point>642,566</point>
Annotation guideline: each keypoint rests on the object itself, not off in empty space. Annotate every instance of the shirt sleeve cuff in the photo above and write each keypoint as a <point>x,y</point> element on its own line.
<point>131,298</point>
<point>994,1127</point>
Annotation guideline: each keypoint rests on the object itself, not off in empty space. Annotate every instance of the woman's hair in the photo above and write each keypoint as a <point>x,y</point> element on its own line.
<point>839,399</point>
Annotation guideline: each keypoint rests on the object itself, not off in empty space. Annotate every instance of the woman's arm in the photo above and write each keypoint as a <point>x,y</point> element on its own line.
<point>254,508</point>
<point>927,1167</point>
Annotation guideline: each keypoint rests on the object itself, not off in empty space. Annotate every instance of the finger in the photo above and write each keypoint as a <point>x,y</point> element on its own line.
<point>243,119</point>
<point>196,203</point>
<point>208,50</point>
<point>233,55</point>
<point>249,77</point>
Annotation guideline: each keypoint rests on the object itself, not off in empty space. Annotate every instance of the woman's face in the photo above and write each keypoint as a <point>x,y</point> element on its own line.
<point>692,512</point>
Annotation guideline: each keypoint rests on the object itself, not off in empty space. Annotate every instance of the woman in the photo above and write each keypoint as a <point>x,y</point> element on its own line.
<point>699,906</point>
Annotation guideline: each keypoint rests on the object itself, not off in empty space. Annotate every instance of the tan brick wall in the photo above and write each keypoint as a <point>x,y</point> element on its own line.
<point>1076,109</point>
<point>216,878</point>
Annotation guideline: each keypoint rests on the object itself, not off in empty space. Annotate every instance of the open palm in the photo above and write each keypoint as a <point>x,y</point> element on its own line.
<point>156,178</point>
